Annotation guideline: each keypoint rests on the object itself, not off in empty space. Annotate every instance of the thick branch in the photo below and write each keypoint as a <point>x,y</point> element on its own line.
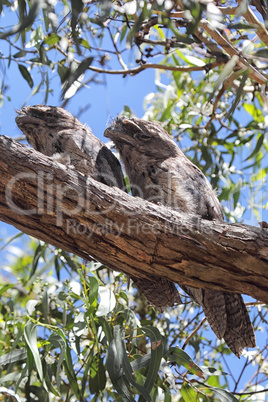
<point>129,234</point>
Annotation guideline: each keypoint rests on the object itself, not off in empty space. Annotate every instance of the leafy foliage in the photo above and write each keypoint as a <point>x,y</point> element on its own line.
<point>86,336</point>
<point>74,332</point>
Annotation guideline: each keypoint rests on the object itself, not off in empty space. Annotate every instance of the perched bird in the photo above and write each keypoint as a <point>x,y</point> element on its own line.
<point>158,171</point>
<point>55,132</point>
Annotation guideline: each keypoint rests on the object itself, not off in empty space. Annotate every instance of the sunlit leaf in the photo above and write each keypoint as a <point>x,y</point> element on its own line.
<point>13,357</point>
<point>242,26</point>
<point>223,395</point>
<point>257,147</point>
<point>178,355</point>
<point>188,393</point>
<point>76,73</point>
<point>227,70</point>
<point>51,39</point>
<point>107,301</point>
<point>58,342</point>
<point>31,340</point>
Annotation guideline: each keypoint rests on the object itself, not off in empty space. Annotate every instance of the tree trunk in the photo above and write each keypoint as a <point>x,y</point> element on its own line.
<point>78,214</point>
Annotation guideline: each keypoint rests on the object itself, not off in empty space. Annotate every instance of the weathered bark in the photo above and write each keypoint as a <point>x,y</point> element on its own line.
<point>85,217</point>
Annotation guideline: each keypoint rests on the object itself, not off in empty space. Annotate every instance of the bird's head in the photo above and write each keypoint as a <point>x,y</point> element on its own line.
<point>40,123</point>
<point>144,137</point>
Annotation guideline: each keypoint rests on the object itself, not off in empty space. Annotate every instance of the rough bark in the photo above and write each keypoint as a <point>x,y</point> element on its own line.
<point>128,234</point>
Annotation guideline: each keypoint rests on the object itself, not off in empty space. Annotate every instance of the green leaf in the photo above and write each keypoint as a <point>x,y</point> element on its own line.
<point>26,75</point>
<point>69,369</point>
<point>77,7</point>
<point>114,368</point>
<point>97,377</point>
<point>76,73</point>
<point>39,252</point>
<point>257,147</point>
<point>262,53</point>
<point>141,362</point>
<point>136,27</point>
<point>93,291</point>
<point>239,93</point>
<point>120,369</point>
<point>254,112</point>
<point>13,357</point>
<point>31,340</point>
<point>182,358</point>
<point>188,393</point>
<point>212,371</point>
<point>21,53</point>
<point>63,72</point>
<point>84,42</point>
<point>228,69</point>
<point>194,8</point>
<point>242,26</point>
<point>106,328</point>
<point>10,377</point>
<point>51,39</point>
<point>223,395</point>
<point>12,238</point>
<point>156,356</point>
<point>4,288</point>
<point>58,342</point>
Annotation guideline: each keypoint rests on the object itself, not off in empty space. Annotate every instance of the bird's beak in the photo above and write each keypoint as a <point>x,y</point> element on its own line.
<point>121,130</point>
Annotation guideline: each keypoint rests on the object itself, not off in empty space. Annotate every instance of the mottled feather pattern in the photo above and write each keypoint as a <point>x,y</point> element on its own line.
<point>159,171</point>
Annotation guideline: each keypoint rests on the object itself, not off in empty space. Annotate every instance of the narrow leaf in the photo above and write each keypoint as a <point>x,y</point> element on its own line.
<point>114,368</point>
<point>156,356</point>
<point>26,75</point>
<point>31,340</point>
<point>13,357</point>
<point>223,395</point>
<point>51,39</point>
<point>58,342</point>
<point>74,75</point>
<point>182,358</point>
<point>127,369</point>
<point>239,94</point>
<point>228,69</point>
<point>97,377</point>
<point>188,393</point>
<point>257,148</point>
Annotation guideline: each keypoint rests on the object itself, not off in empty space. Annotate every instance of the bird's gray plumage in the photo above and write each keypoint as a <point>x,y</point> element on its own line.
<point>159,171</point>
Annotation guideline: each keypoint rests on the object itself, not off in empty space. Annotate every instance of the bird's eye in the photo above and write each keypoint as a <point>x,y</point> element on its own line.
<point>142,136</point>
<point>49,114</point>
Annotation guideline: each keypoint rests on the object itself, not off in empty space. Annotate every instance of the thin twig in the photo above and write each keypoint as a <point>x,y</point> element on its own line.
<point>193,333</point>
<point>136,70</point>
<point>118,53</point>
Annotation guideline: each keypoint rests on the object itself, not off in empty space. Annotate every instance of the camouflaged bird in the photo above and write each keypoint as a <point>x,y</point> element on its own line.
<point>159,171</point>
<point>55,132</point>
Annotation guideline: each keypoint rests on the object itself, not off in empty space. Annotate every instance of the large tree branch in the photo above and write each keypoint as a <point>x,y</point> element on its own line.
<point>62,207</point>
